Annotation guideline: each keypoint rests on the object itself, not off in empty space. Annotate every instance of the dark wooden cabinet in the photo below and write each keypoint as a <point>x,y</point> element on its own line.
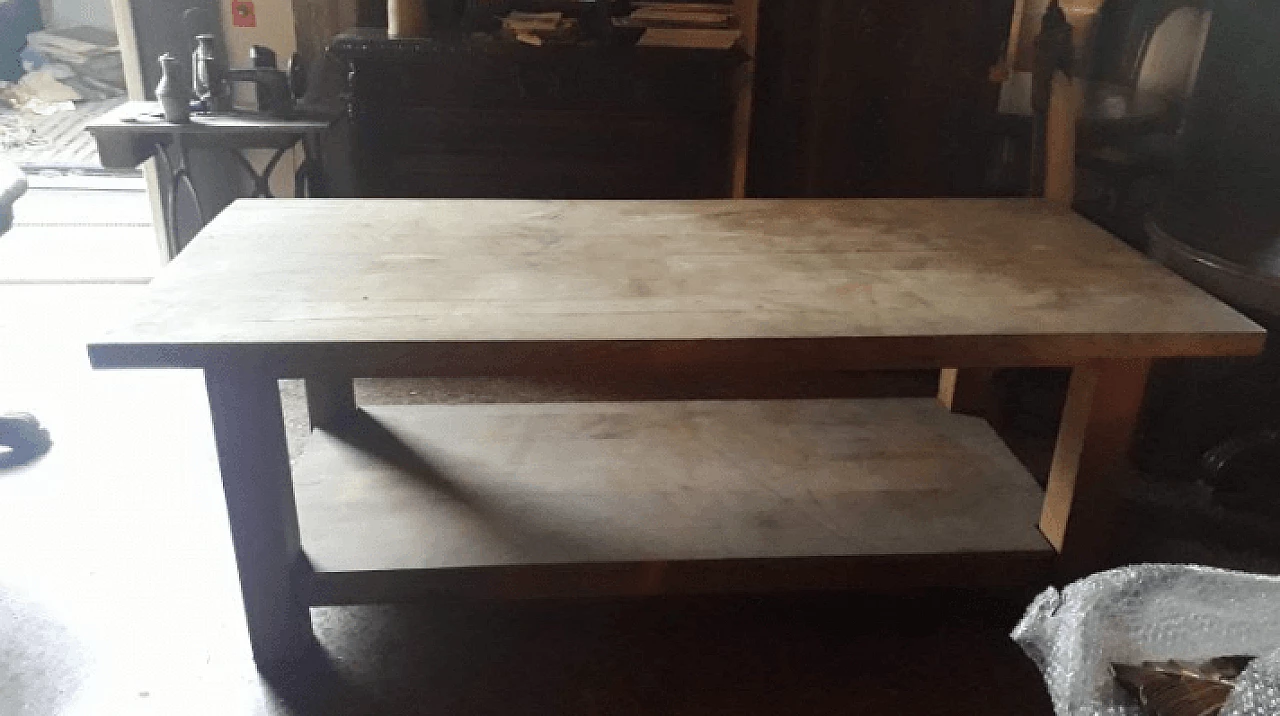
<point>875,97</point>
<point>461,117</point>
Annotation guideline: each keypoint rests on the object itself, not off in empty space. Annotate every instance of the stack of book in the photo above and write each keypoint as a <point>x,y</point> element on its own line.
<point>682,15</point>
<point>537,28</point>
<point>701,26</point>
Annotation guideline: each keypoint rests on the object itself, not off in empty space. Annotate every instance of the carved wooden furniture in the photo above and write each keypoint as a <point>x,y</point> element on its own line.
<point>394,503</point>
<point>454,116</point>
<point>875,97</point>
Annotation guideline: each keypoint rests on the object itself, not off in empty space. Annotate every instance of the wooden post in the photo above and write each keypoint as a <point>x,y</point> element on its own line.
<point>1060,141</point>
<point>1065,101</point>
<point>330,401</point>
<point>748,13</point>
<point>1103,402</point>
<point>249,431</point>
<point>967,391</point>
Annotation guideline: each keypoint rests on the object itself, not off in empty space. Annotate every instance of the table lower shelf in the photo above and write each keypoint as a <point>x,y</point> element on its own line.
<point>588,499</point>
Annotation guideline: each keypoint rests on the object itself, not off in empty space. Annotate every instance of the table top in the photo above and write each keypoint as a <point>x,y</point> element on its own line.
<point>485,287</point>
<point>122,119</point>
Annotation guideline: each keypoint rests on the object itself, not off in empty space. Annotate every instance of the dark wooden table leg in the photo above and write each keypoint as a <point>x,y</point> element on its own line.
<point>1091,456</point>
<point>330,401</point>
<point>967,391</point>
<point>256,480</point>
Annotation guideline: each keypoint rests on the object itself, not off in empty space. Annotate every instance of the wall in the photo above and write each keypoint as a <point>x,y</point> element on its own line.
<point>70,13</point>
<point>275,30</point>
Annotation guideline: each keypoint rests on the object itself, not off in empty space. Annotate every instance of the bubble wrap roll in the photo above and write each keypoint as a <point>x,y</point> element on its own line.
<point>1153,612</point>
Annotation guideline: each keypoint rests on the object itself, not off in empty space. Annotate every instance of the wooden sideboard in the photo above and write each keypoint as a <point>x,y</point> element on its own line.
<point>454,116</point>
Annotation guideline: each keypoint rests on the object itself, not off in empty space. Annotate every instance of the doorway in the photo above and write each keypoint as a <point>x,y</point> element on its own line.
<point>61,67</point>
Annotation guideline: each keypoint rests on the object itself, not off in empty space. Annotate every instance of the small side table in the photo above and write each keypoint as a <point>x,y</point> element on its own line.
<point>133,132</point>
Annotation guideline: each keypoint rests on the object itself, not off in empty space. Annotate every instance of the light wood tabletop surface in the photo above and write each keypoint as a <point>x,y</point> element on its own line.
<point>488,286</point>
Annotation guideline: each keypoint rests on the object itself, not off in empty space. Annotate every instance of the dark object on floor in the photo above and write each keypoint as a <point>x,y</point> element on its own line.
<point>13,184</point>
<point>21,439</point>
<point>1176,688</point>
<point>1243,470</point>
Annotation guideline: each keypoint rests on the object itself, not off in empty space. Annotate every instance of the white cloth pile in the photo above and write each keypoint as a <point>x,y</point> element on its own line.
<point>39,92</point>
<point>87,59</point>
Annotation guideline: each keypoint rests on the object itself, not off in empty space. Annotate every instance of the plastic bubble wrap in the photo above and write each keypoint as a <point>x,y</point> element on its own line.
<point>1153,612</point>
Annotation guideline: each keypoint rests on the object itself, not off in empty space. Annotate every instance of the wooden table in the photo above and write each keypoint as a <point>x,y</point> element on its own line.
<point>132,133</point>
<point>394,503</point>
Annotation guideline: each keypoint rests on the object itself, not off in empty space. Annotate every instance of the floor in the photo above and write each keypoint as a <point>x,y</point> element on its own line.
<point>80,229</point>
<point>118,592</point>
<point>57,140</point>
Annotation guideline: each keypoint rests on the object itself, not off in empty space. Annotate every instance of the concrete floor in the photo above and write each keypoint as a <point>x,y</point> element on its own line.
<point>118,593</point>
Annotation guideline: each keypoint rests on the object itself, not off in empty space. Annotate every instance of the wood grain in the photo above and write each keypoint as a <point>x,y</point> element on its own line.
<point>504,287</point>
<point>967,391</point>
<point>748,16</point>
<point>1066,100</point>
<point>875,97</point>
<point>1090,458</point>
<point>315,21</point>
<point>645,491</point>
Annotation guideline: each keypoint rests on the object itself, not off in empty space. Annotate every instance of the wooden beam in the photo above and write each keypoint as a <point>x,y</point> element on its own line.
<point>330,401</point>
<point>748,14</point>
<point>1007,65</point>
<point>315,22</point>
<point>1103,402</point>
<point>653,497</point>
<point>1060,140</point>
<point>793,285</point>
<point>249,432</point>
<point>967,391</point>
<point>1065,102</point>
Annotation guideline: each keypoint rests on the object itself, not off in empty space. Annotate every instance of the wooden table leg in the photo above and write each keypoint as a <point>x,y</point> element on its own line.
<point>249,431</point>
<point>1103,402</point>
<point>330,401</point>
<point>967,391</point>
